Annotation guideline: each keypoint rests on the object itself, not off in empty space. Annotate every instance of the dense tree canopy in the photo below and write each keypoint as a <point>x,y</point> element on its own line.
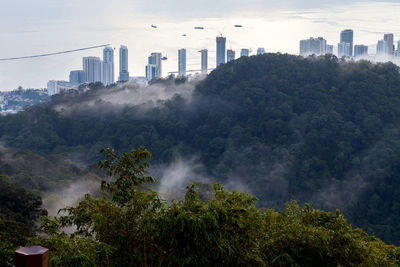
<point>316,130</point>
<point>137,228</point>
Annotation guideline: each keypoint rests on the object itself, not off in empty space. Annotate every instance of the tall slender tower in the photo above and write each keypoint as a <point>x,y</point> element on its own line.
<point>388,38</point>
<point>204,61</point>
<point>221,50</point>
<point>123,64</point>
<point>108,66</point>
<point>346,36</point>
<point>182,62</point>
<point>155,59</point>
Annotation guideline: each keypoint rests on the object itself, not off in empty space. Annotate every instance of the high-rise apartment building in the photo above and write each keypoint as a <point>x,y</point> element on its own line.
<point>108,66</point>
<point>52,88</point>
<point>155,59</point>
<point>204,61</point>
<point>381,47</point>
<point>360,50</point>
<point>77,77</point>
<point>344,49</point>
<point>346,36</point>
<point>182,62</point>
<point>244,52</point>
<point>388,38</point>
<point>260,51</point>
<point>151,72</point>
<point>221,50</point>
<point>123,64</point>
<point>397,54</point>
<point>93,69</point>
<point>313,46</point>
<point>56,87</point>
<point>329,49</point>
<point>230,55</point>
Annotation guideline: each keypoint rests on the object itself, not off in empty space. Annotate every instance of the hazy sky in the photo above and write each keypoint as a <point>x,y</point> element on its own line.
<point>33,27</point>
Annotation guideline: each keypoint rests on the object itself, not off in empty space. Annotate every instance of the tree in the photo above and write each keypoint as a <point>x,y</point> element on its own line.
<point>134,227</point>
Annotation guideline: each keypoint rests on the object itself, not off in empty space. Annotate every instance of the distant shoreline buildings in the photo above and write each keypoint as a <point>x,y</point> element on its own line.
<point>102,70</point>
<point>385,48</point>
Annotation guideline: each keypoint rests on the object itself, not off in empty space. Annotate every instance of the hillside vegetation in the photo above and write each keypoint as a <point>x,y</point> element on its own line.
<point>135,227</point>
<point>316,130</point>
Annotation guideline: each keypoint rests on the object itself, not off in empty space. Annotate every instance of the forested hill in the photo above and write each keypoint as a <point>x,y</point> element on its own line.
<point>283,127</point>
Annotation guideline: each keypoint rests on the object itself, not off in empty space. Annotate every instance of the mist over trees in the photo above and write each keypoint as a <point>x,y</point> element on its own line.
<point>135,227</point>
<point>316,130</point>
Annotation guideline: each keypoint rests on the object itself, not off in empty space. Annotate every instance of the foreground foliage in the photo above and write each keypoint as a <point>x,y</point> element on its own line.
<point>19,210</point>
<point>134,227</point>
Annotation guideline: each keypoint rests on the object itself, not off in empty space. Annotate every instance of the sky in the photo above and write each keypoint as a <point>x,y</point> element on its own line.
<point>42,26</point>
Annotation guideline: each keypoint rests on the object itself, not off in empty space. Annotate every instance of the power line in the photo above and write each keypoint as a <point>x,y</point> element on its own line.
<point>173,72</point>
<point>52,54</point>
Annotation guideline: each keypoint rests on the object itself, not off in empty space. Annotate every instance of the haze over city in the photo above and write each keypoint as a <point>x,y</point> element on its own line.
<point>46,26</point>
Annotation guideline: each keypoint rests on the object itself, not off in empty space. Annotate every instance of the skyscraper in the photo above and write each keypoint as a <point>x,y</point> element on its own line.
<point>344,49</point>
<point>92,68</point>
<point>182,62</point>
<point>108,66</point>
<point>381,47</point>
<point>397,54</point>
<point>346,36</point>
<point>52,87</point>
<point>260,51</point>
<point>221,50</point>
<point>155,59</point>
<point>360,50</point>
<point>388,43</point>
<point>123,64</point>
<point>230,55</point>
<point>77,77</point>
<point>329,49</point>
<point>204,61</point>
<point>108,54</point>
<point>313,46</point>
<point>244,52</point>
<point>151,71</point>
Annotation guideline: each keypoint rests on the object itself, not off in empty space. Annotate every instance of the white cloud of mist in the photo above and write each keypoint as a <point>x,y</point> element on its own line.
<point>132,94</point>
<point>69,195</point>
<point>173,178</point>
<point>380,58</point>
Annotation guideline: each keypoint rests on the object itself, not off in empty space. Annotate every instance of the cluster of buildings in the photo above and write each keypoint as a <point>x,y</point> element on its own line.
<point>223,56</point>
<point>346,47</point>
<point>17,100</point>
<point>95,69</point>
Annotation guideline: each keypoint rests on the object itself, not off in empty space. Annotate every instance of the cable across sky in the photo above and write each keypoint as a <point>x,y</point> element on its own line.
<point>53,54</point>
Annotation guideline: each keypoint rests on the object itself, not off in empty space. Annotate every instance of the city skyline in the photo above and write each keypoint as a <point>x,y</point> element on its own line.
<point>93,67</point>
<point>281,27</point>
<point>153,69</point>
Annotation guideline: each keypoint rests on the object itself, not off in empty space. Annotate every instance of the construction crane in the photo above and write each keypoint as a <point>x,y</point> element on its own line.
<point>53,54</point>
